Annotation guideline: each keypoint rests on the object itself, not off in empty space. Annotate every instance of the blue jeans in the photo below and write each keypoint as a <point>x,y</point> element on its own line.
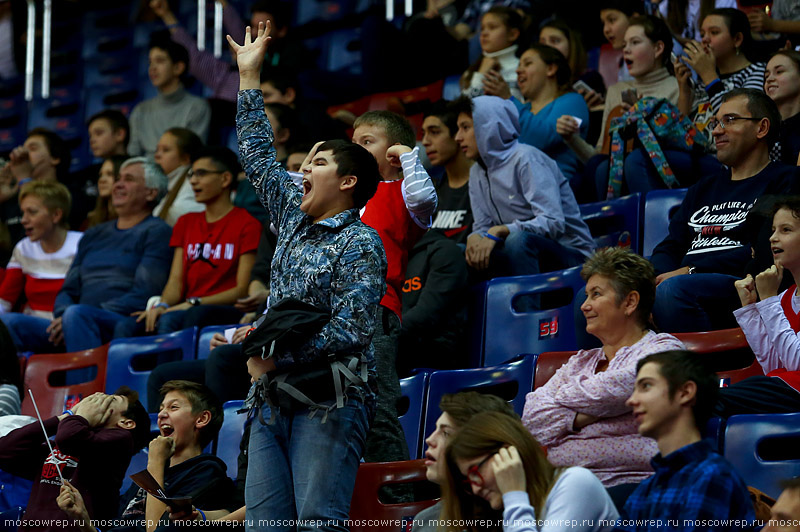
<point>168,322</point>
<point>526,253</point>
<point>640,174</point>
<point>699,302</point>
<point>29,333</point>
<point>301,469</point>
<point>86,326</point>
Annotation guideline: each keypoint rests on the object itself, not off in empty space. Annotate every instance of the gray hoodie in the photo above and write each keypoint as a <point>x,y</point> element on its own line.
<point>520,186</point>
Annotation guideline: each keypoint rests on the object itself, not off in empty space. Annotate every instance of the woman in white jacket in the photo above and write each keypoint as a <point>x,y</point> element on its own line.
<point>494,465</point>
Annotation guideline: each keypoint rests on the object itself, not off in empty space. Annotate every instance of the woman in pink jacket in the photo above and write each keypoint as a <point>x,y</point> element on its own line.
<point>580,415</point>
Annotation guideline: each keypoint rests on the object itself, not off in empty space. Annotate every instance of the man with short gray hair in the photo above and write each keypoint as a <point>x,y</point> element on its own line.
<point>119,264</point>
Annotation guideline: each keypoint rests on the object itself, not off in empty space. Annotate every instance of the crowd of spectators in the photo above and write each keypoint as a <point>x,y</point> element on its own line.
<point>164,232</point>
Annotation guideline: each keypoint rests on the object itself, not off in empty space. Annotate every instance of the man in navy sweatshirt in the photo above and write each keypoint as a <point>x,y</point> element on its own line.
<point>119,264</point>
<point>706,250</point>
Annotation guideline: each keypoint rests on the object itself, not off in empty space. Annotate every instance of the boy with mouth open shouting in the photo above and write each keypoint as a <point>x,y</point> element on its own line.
<point>302,468</point>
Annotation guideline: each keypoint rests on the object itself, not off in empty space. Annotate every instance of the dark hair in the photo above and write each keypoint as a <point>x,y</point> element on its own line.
<point>176,52</point>
<point>396,127</point>
<point>187,140</point>
<point>201,398</point>
<point>443,111</point>
<point>284,114</point>
<point>222,157</point>
<point>280,11</point>
<point>679,367</point>
<point>627,7</point>
<point>760,106</point>
<point>461,406</point>
<point>627,272</point>
<point>737,22</point>
<point>462,104</point>
<point>58,150</point>
<point>137,413</point>
<point>117,121</point>
<point>487,433</point>
<point>676,14</point>
<point>577,53</point>
<point>510,17</point>
<point>280,77</point>
<point>656,30</point>
<point>551,56</point>
<point>791,483</point>
<point>791,203</point>
<point>103,209</point>
<point>352,159</point>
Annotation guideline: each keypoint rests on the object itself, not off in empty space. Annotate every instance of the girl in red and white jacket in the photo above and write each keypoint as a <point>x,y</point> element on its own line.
<point>771,325</point>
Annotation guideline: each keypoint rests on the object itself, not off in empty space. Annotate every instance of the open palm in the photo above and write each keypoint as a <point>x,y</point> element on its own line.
<point>250,55</point>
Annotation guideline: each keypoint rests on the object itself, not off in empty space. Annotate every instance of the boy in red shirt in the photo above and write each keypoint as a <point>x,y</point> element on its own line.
<point>214,254</point>
<point>401,211</point>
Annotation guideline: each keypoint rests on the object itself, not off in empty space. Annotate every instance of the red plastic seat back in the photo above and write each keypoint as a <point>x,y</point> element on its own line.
<point>548,364</point>
<point>51,400</point>
<point>371,477</point>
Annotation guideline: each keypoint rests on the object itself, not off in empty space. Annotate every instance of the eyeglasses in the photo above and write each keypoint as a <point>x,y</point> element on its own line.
<point>201,173</point>
<point>728,120</point>
<point>474,477</point>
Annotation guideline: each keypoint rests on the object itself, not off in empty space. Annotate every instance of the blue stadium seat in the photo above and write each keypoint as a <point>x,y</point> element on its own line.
<point>230,436</point>
<point>113,70</point>
<point>130,360</point>
<point>203,341</point>
<point>10,518</point>
<point>509,333</point>
<point>659,206</point>
<point>122,98</point>
<point>322,10</point>
<point>715,433</point>
<point>414,389</point>
<point>511,381</point>
<point>615,222</point>
<point>13,130</point>
<point>764,449</point>
<point>452,87</point>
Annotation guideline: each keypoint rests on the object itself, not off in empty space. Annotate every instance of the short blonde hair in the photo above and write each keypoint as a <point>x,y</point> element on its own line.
<point>53,195</point>
<point>626,272</point>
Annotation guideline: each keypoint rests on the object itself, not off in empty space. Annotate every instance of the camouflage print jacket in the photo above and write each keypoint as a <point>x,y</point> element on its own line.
<point>337,264</point>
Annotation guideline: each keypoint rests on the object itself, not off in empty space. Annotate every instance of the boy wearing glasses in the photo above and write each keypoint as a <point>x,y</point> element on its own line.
<point>213,254</point>
<point>706,249</point>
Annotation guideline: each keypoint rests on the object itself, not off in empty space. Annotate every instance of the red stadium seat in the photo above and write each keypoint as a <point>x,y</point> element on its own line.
<point>366,505</point>
<point>52,399</point>
<point>548,364</point>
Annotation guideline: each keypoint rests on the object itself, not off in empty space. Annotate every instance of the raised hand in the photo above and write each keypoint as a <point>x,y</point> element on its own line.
<point>746,288</point>
<point>495,85</point>
<point>701,60</point>
<point>508,471</point>
<point>250,55</point>
<point>768,281</point>
<point>394,152</point>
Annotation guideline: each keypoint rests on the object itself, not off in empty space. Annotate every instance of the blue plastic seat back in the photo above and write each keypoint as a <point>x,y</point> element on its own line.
<point>9,519</point>
<point>715,433</point>
<point>615,222</point>
<point>764,449</point>
<point>322,10</point>
<point>230,436</point>
<point>206,334</point>
<point>452,87</point>
<point>511,381</point>
<point>509,333</point>
<point>130,360</point>
<point>413,390</point>
<point>659,206</point>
